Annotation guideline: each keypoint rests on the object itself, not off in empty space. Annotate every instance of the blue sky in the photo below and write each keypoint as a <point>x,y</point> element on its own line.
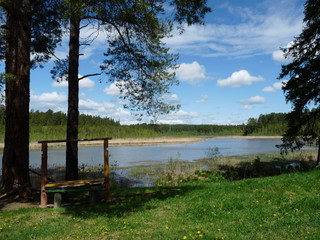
<point>228,68</point>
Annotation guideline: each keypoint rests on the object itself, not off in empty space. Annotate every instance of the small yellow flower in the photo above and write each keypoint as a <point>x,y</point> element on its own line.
<point>167,228</point>
<point>274,215</point>
<point>184,237</point>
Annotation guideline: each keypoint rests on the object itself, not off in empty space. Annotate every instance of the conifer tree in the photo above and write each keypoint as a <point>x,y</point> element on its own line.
<point>136,59</point>
<point>29,28</point>
<point>303,88</point>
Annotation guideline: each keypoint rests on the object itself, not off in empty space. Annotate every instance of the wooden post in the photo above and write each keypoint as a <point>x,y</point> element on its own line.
<point>106,170</point>
<point>57,199</point>
<point>44,174</point>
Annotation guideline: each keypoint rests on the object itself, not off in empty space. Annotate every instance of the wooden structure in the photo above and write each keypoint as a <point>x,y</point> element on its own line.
<point>63,186</point>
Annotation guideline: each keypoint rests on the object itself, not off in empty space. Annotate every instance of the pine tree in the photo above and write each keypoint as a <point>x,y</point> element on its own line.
<point>28,28</point>
<point>303,87</point>
<point>136,59</point>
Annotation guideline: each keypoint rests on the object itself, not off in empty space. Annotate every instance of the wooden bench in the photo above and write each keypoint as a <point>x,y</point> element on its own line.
<point>92,186</point>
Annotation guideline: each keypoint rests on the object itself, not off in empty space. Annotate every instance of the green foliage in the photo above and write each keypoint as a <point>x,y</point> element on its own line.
<point>267,124</point>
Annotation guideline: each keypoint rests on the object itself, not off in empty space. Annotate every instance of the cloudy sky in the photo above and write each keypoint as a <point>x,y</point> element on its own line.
<point>228,68</point>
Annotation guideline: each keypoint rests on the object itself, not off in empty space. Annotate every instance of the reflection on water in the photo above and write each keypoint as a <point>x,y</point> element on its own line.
<point>147,155</point>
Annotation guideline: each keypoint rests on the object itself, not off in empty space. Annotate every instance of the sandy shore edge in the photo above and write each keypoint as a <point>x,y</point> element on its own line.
<point>148,141</point>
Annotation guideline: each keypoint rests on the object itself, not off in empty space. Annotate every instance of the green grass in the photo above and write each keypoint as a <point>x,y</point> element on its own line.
<point>280,207</point>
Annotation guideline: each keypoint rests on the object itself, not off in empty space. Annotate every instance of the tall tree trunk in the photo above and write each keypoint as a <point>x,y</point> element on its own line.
<point>73,98</point>
<point>15,161</point>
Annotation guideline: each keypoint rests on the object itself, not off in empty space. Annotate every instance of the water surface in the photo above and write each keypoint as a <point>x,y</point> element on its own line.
<point>137,155</point>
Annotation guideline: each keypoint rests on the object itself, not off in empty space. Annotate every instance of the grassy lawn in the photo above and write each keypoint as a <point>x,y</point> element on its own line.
<point>279,207</point>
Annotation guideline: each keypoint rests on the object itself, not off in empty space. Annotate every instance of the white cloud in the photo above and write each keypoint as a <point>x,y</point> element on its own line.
<point>60,84</point>
<point>279,85</point>
<point>238,79</point>
<point>86,83</point>
<point>58,102</point>
<point>192,73</point>
<point>203,99</point>
<point>253,100</point>
<point>257,32</point>
<point>178,117</point>
<point>246,107</point>
<point>268,89</point>
<point>172,99</point>
<point>279,55</point>
<point>274,87</point>
<point>54,101</point>
<point>112,90</point>
<point>50,97</point>
<point>83,83</point>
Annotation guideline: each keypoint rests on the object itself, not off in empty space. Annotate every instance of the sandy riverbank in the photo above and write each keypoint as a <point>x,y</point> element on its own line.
<point>147,141</point>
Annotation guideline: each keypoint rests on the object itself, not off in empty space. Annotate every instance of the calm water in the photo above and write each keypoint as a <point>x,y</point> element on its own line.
<point>130,156</point>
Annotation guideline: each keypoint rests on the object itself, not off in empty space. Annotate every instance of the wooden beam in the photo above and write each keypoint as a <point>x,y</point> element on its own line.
<point>44,174</point>
<point>75,140</point>
<point>106,170</point>
<point>75,183</point>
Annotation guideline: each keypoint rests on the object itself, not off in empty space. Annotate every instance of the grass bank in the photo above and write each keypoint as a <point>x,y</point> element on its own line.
<point>280,207</point>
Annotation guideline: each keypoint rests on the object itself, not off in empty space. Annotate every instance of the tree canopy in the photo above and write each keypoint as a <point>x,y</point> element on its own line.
<point>136,57</point>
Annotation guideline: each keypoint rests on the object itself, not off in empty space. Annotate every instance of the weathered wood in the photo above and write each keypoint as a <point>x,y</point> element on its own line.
<point>57,199</point>
<point>106,170</point>
<point>62,190</point>
<point>75,140</point>
<point>75,183</point>
<point>44,174</point>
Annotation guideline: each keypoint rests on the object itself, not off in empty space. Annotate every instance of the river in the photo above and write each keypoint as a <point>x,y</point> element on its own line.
<point>145,155</point>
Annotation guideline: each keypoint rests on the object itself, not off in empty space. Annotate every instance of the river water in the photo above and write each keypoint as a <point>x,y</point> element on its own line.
<point>147,155</point>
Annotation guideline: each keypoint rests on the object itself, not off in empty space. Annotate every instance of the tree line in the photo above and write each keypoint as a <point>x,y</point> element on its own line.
<point>51,125</point>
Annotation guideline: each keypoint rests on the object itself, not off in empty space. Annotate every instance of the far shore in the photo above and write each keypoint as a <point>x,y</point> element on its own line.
<point>147,141</point>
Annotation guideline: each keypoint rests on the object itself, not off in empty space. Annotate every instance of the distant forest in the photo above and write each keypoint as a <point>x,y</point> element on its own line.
<point>52,125</point>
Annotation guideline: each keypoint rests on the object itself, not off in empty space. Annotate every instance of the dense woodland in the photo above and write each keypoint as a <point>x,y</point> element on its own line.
<point>52,125</point>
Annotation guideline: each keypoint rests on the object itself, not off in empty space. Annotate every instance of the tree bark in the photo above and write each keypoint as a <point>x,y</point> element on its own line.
<point>15,161</point>
<point>73,98</point>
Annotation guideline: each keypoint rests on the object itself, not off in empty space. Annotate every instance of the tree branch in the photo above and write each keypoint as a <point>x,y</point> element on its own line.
<point>89,75</point>
<point>52,53</point>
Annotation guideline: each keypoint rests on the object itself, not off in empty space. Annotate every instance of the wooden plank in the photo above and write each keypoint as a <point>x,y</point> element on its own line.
<point>74,190</point>
<point>75,140</point>
<point>74,183</point>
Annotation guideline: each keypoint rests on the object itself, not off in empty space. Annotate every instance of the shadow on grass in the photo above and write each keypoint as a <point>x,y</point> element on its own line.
<point>128,200</point>
<point>259,168</point>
